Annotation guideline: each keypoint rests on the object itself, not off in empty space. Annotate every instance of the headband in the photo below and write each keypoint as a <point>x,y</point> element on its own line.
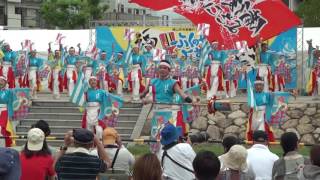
<point>259,82</point>
<point>93,77</point>
<point>163,63</point>
<point>4,78</point>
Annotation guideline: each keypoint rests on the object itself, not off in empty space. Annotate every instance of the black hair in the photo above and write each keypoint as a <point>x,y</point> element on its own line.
<point>45,151</point>
<point>289,142</point>
<point>229,141</point>
<point>206,165</point>
<point>315,155</point>
<point>43,125</point>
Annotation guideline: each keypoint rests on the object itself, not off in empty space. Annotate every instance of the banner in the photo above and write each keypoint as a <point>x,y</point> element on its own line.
<point>285,45</point>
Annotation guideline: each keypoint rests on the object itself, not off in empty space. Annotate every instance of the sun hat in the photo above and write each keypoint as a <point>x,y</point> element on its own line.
<point>169,134</point>
<point>235,158</point>
<point>109,136</point>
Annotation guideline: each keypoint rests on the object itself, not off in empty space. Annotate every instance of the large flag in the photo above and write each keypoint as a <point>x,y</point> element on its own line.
<point>205,50</point>
<point>279,108</point>
<point>233,20</point>
<point>191,112</point>
<point>78,94</point>
<point>128,58</point>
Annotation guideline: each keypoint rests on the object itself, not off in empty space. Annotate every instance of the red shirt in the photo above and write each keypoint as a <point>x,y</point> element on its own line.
<point>36,167</point>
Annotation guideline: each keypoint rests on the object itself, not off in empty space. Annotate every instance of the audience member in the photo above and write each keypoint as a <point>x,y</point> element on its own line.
<point>147,167</point>
<point>288,166</point>
<point>176,158</point>
<point>36,159</point>
<point>312,171</point>
<point>206,165</point>
<point>235,165</point>
<point>228,142</point>
<point>80,164</point>
<point>121,158</point>
<point>260,157</point>
<point>10,167</point>
<point>44,126</point>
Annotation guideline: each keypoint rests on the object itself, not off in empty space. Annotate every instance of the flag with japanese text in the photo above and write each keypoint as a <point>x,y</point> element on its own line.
<point>233,20</point>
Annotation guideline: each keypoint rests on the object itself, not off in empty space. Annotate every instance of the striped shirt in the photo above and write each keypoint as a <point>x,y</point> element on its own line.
<point>79,165</point>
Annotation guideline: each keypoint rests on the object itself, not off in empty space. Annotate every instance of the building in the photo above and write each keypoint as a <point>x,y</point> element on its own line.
<point>20,14</point>
<point>121,12</point>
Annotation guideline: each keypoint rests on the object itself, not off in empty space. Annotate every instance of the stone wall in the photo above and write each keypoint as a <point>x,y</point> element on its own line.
<point>301,117</point>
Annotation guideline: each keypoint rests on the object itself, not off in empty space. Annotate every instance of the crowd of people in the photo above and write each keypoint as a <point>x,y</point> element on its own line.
<point>84,156</point>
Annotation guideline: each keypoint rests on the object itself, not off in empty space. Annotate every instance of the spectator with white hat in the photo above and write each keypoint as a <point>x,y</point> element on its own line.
<point>36,159</point>
<point>235,165</point>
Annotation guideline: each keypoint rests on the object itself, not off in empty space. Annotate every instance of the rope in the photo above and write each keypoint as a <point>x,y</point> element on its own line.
<point>52,138</point>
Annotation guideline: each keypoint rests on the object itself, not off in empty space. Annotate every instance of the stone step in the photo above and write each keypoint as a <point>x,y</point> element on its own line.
<point>75,116</point>
<point>76,123</point>
<point>66,116</point>
<point>40,109</point>
<point>66,103</point>
<point>64,129</point>
<point>52,103</point>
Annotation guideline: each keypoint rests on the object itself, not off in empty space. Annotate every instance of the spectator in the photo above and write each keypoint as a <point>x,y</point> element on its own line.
<point>235,165</point>
<point>80,164</point>
<point>147,167</point>
<point>44,126</point>
<point>10,168</point>
<point>288,166</point>
<point>176,158</point>
<point>312,171</point>
<point>206,166</point>
<point>260,157</point>
<point>121,157</point>
<point>36,159</point>
<point>228,142</point>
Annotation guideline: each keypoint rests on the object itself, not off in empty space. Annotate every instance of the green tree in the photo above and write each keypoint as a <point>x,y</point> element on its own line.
<point>71,14</point>
<point>308,10</point>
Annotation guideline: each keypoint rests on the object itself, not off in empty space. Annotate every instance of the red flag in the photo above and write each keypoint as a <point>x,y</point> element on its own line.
<point>234,20</point>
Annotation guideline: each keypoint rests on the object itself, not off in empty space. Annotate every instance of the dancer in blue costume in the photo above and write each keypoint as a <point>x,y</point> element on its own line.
<point>135,76</point>
<point>70,77</point>
<point>8,64</point>
<point>98,106</point>
<point>265,67</point>
<point>32,79</point>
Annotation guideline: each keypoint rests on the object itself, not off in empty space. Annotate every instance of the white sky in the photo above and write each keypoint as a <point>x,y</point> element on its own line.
<point>41,38</point>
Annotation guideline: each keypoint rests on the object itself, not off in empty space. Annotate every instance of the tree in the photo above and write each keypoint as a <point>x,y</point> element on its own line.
<point>308,10</point>
<point>71,14</point>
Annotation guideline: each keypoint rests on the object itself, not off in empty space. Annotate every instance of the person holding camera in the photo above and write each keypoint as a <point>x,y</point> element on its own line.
<point>176,158</point>
<point>80,164</point>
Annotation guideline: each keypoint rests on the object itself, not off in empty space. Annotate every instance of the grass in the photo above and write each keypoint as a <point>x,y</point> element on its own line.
<point>138,150</point>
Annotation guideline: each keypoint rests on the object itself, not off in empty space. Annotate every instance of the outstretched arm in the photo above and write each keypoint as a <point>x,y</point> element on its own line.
<point>178,90</point>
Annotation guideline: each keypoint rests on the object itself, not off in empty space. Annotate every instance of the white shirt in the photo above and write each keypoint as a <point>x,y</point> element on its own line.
<point>184,155</point>
<point>124,161</point>
<point>261,160</point>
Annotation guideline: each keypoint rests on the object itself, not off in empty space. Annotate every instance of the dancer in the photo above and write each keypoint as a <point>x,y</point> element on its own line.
<point>135,76</point>
<point>32,79</point>
<point>70,77</point>
<point>55,81</point>
<point>7,65</point>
